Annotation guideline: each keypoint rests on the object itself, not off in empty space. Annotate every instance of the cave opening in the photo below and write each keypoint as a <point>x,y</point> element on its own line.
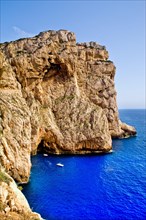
<point>41,149</point>
<point>46,148</point>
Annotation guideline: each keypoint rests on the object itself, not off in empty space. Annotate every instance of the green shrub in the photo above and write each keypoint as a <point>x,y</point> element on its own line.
<point>20,188</point>
<point>4,178</point>
<point>2,206</point>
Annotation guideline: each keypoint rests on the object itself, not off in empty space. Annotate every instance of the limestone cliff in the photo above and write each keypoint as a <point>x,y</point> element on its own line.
<point>58,95</point>
<point>13,204</point>
<point>55,95</point>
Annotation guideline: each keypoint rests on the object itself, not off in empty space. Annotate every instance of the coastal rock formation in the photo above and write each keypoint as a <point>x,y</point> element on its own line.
<point>15,128</point>
<point>58,96</point>
<point>13,204</point>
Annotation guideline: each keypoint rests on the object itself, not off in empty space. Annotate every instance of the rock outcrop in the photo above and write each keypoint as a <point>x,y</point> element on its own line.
<point>58,96</point>
<point>13,204</point>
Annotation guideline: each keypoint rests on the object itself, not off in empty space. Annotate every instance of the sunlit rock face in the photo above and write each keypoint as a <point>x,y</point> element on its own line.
<point>13,204</point>
<point>56,94</point>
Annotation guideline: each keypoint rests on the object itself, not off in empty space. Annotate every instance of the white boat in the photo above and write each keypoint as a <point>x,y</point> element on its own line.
<point>59,165</point>
<point>45,155</point>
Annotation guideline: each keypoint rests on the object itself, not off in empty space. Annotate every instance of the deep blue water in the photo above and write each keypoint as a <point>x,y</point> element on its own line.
<point>109,187</point>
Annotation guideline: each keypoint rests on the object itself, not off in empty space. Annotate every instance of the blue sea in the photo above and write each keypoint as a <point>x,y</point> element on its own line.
<point>93,187</point>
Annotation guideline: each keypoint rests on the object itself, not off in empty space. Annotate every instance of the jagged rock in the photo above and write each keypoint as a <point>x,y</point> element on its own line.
<point>15,127</point>
<point>12,202</point>
<point>57,93</point>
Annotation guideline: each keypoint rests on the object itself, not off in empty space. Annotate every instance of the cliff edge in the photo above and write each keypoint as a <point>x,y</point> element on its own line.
<point>13,204</point>
<point>58,96</point>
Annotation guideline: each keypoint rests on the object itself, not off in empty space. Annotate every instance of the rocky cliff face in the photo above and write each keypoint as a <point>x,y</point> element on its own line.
<point>57,95</point>
<point>13,204</point>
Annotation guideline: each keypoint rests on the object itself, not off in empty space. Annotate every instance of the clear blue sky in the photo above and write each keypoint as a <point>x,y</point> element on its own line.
<point>119,25</point>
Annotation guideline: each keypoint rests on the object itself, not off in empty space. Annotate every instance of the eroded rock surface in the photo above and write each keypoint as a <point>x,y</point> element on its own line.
<point>58,94</point>
<point>13,204</point>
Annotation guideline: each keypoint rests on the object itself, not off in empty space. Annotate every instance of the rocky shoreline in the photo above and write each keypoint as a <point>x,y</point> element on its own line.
<point>57,96</point>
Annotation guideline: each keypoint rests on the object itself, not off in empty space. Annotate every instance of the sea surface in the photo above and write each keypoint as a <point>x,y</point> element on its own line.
<point>93,187</point>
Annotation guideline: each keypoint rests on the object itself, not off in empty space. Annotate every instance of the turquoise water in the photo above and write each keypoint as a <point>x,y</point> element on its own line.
<point>95,187</point>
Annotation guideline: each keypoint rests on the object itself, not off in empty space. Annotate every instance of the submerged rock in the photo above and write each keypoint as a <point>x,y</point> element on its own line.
<point>56,94</point>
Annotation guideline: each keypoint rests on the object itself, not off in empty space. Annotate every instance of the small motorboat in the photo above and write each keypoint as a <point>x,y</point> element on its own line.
<point>59,165</point>
<point>45,155</point>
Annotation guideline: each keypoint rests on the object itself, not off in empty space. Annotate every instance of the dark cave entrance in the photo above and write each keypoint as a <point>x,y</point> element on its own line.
<point>41,148</point>
<point>46,148</point>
